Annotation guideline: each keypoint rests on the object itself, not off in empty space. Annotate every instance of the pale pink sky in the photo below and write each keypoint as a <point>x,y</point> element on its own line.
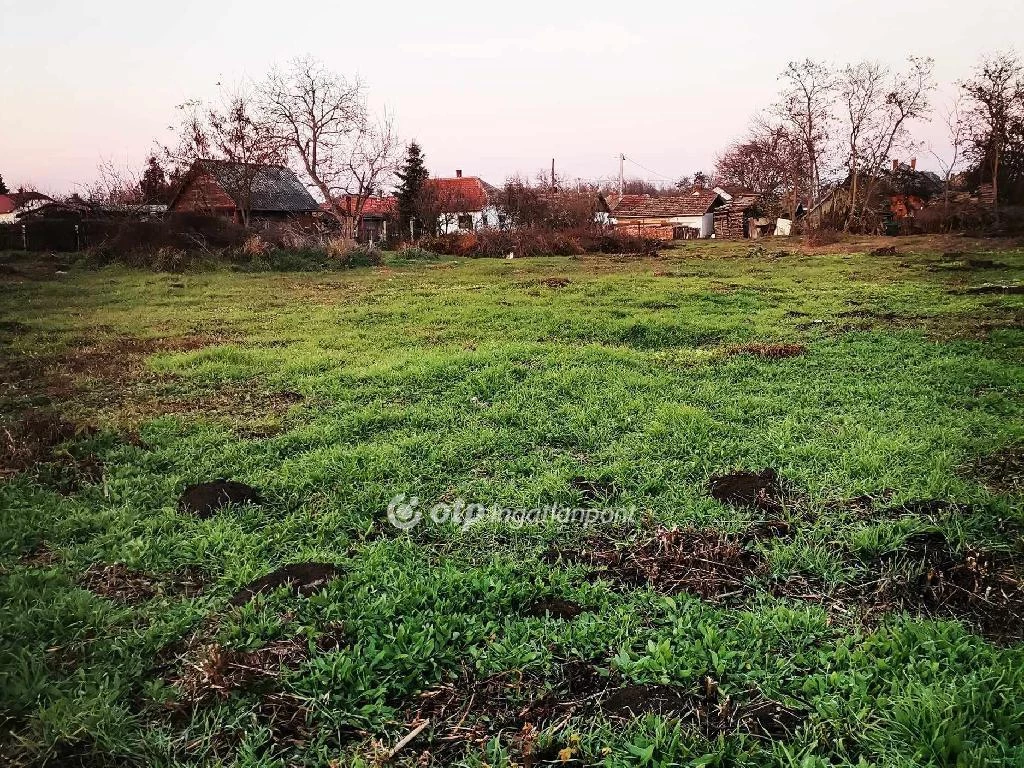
<point>491,88</point>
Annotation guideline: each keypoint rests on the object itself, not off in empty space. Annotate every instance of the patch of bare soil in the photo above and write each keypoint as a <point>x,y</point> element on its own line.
<point>594,490</point>
<point>302,578</point>
<point>1005,290</point>
<point>119,359</point>
<point>984,590</point>
<point>705,563</point>
<point>768,351</point>
<point>555,282</point>
<point>885,251</point>
<point>709,711</point>
<point>40,556</point>
<point>204,499</point>
<point>1002,471</point>
<point>555,607</point>
<point>32,438</point>
<point>126,585</point>
<point>518,706</point>
<point>762,490</point>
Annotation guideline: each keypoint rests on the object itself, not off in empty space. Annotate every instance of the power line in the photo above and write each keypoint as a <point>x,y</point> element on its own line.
<point>649,170</point>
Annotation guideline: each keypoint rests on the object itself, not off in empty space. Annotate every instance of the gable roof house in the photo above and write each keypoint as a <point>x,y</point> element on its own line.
<point>13,205</point>
<point>243,191</point>
<point>379,215</point>
<point>462,203</point>
<point>668,217</point>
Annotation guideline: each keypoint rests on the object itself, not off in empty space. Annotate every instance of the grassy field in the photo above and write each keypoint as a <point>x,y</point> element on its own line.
<point>862,606</point>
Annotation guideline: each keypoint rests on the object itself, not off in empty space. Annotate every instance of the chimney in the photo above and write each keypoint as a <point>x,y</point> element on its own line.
<point>458,174</point>
<point>895,165</point>
<point>913,163</point>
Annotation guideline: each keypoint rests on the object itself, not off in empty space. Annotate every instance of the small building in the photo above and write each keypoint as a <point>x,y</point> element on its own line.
<point>14,205</point>
<point>230,190</point>
<point>378,221</point>
<point>739,215</point>
<point>462,203</point>
<point>668,217</point>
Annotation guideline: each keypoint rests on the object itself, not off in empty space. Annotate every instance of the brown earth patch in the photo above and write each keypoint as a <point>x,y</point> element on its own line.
<point>762,490</point>
<point>1005,290</point>
<point>1002,471</point>
<point>303,579</point>
<point>204,499</point>
<point>704,563</point>
<point>768,351</point>
<point>594,490</point>
<point>555,607</point>
<point>982,589</point>
<point>885,251</point>
<point>125,585</point>
<point>32,438</point>
<point>40,556</point>
<point>556,282</point>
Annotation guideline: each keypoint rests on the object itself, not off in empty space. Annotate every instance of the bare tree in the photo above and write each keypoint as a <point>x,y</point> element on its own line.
<point>770,160</point>
<point>956,134</point>
<point>995,98</point>
<point>323,120</point>
<point>806,107</point>
<point>230,130</point>
<point>861,92</point>
<point>906,98</point>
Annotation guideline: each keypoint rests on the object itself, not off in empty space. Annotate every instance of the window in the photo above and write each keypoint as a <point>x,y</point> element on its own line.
<point>465,221</point>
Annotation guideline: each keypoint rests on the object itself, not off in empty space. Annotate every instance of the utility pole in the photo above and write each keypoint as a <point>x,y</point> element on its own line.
<point>622,181</point>
<point>552,173</point>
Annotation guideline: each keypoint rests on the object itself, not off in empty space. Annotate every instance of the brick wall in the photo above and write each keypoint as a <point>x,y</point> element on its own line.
<point>204,195</point>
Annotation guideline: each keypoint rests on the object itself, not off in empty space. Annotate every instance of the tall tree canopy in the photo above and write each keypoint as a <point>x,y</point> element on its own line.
<point>411,177</point>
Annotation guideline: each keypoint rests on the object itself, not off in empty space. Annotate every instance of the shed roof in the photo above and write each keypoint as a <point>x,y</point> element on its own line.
<point>462,194</point>
<point>274,187</point>
<point>695,203</point>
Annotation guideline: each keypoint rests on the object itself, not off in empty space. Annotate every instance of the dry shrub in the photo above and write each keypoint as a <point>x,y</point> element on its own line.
<point>255,246</point>
<point>337,247</point>
<point>818,237</point>
<point>536,241</point>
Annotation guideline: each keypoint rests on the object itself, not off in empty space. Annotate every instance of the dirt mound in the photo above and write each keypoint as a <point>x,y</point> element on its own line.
<point>753,490</point>
<point>126,585</point>
<point>885,251</point>
<point>302,578</point>
<point>555,607</point>
<point>203,499</point>
<point>594,490</point>
<point>32,438</point>
<point>704,563</point>
<point>768,351</point>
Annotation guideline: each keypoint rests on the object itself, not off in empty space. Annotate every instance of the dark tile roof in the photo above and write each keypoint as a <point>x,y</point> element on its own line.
<point>380,207</point>
<point>274,187</point>
<point>695,203</point>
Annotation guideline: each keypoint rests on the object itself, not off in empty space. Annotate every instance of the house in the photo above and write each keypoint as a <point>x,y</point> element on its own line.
<point>462,203</point>
<point>668,217</point>
<point>232,190</point>
<point>13,205</point>
<point>379,215</point>
<point>739,216</point>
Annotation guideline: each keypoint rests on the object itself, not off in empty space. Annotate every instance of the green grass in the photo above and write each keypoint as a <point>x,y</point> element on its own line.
<point>475,380</point>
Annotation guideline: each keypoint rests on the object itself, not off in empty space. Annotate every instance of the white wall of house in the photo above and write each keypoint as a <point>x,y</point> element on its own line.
<point>31,205</point>
<point>705,223</point>
<point>450,222</point>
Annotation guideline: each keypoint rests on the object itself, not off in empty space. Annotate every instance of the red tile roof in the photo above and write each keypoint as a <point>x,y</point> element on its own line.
<point>695,203</point>
<point>462,194</point>
<point>372,206</point>
<point>6,204</point>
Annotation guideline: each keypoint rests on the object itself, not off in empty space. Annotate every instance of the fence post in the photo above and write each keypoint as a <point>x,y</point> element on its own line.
<point>24,237</point>
<point>78,239</point>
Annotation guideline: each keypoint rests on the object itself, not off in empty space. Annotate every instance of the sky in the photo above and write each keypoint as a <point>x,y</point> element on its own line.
<point>491,89</point>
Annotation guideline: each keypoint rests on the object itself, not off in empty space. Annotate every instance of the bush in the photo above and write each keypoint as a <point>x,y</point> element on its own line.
<point>534,241</point>
<point>362,256</point>
<point>416,253</point>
